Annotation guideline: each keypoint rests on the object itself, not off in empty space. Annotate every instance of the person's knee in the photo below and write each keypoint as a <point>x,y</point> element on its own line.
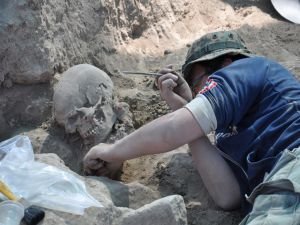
<point>227,203</point>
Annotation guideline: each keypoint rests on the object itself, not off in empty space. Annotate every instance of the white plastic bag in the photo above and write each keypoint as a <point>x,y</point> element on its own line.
<point>41,184</point>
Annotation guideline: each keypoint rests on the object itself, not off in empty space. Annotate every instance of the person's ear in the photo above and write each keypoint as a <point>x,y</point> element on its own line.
<point>227,61</point>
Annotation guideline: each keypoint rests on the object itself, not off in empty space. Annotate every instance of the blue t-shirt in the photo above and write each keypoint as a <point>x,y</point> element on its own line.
<point>257,106</point>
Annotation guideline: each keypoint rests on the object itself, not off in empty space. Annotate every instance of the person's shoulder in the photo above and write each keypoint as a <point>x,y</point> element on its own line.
<point>257,62</point>
<point>265,65</point>
<point>266,62</point>
<point>255,59</point>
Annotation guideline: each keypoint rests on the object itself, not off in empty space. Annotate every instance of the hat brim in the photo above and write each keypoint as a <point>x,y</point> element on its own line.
<point>216,54</point>
<point>289,9</point>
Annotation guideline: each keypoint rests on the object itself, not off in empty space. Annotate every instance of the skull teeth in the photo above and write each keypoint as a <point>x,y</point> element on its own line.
<point>97,130</point>
<point>92,132</point>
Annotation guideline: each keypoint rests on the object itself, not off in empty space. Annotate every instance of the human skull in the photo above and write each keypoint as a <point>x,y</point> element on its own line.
<point>83,102</point>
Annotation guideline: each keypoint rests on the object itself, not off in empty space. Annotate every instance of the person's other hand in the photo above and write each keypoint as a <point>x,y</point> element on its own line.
<point>97,162</point>
<point>171,82</point>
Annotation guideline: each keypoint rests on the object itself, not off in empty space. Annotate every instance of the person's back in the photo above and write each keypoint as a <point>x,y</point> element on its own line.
<point>257,106</point>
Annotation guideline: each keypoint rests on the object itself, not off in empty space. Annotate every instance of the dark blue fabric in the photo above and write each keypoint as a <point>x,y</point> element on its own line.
<point>257,106</point>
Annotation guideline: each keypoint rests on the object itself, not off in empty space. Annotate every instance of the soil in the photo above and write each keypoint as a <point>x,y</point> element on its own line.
<point>159,37</point>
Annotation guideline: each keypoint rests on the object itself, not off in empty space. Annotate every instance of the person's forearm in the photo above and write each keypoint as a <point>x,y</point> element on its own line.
<point>216,174</point>
<point>161,135</point>
<point>175,101</point>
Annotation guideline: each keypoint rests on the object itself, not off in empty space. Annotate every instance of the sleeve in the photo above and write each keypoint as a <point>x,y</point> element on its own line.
<point>232,90</point>
<point>202,111</point>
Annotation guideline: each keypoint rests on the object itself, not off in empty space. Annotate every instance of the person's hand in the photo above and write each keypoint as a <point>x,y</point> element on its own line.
<point>98,162</point>
<point>173,87</point>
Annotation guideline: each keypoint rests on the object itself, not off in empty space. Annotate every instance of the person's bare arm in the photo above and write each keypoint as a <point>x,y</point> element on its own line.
<point>161,135</point>
<point>174,100</point>
<point>216,174</point>
<point>164,134</point>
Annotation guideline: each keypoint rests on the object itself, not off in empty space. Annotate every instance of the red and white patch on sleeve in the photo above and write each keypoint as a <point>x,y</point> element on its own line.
<point>210,84</point>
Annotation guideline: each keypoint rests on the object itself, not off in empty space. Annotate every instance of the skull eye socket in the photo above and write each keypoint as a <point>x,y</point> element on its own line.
<point>100,115</point>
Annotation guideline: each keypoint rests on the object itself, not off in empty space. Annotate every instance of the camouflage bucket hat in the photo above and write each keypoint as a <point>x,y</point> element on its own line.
<point>213,45</point>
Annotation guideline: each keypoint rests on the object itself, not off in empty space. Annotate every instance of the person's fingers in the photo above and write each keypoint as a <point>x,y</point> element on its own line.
<point>95,164</point>
<point>87,171</point>
<point>166,77</point>
<point>102,172</point>
<point>92,165</point>
<point>168,84</point>
<point>89,160</point>
<point>165,71</point>
<point>96,170</point>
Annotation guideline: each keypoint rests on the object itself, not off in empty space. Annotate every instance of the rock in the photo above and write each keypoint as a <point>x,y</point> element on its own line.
<point>40,38</point>
<point>70,153</point>
<point>53,219</point>
<point>119,201</point>
<point>165,211</point>
<point>133,195</point>
<point>24,107</point>
<point>25,58</point>
<point>53,160</point>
